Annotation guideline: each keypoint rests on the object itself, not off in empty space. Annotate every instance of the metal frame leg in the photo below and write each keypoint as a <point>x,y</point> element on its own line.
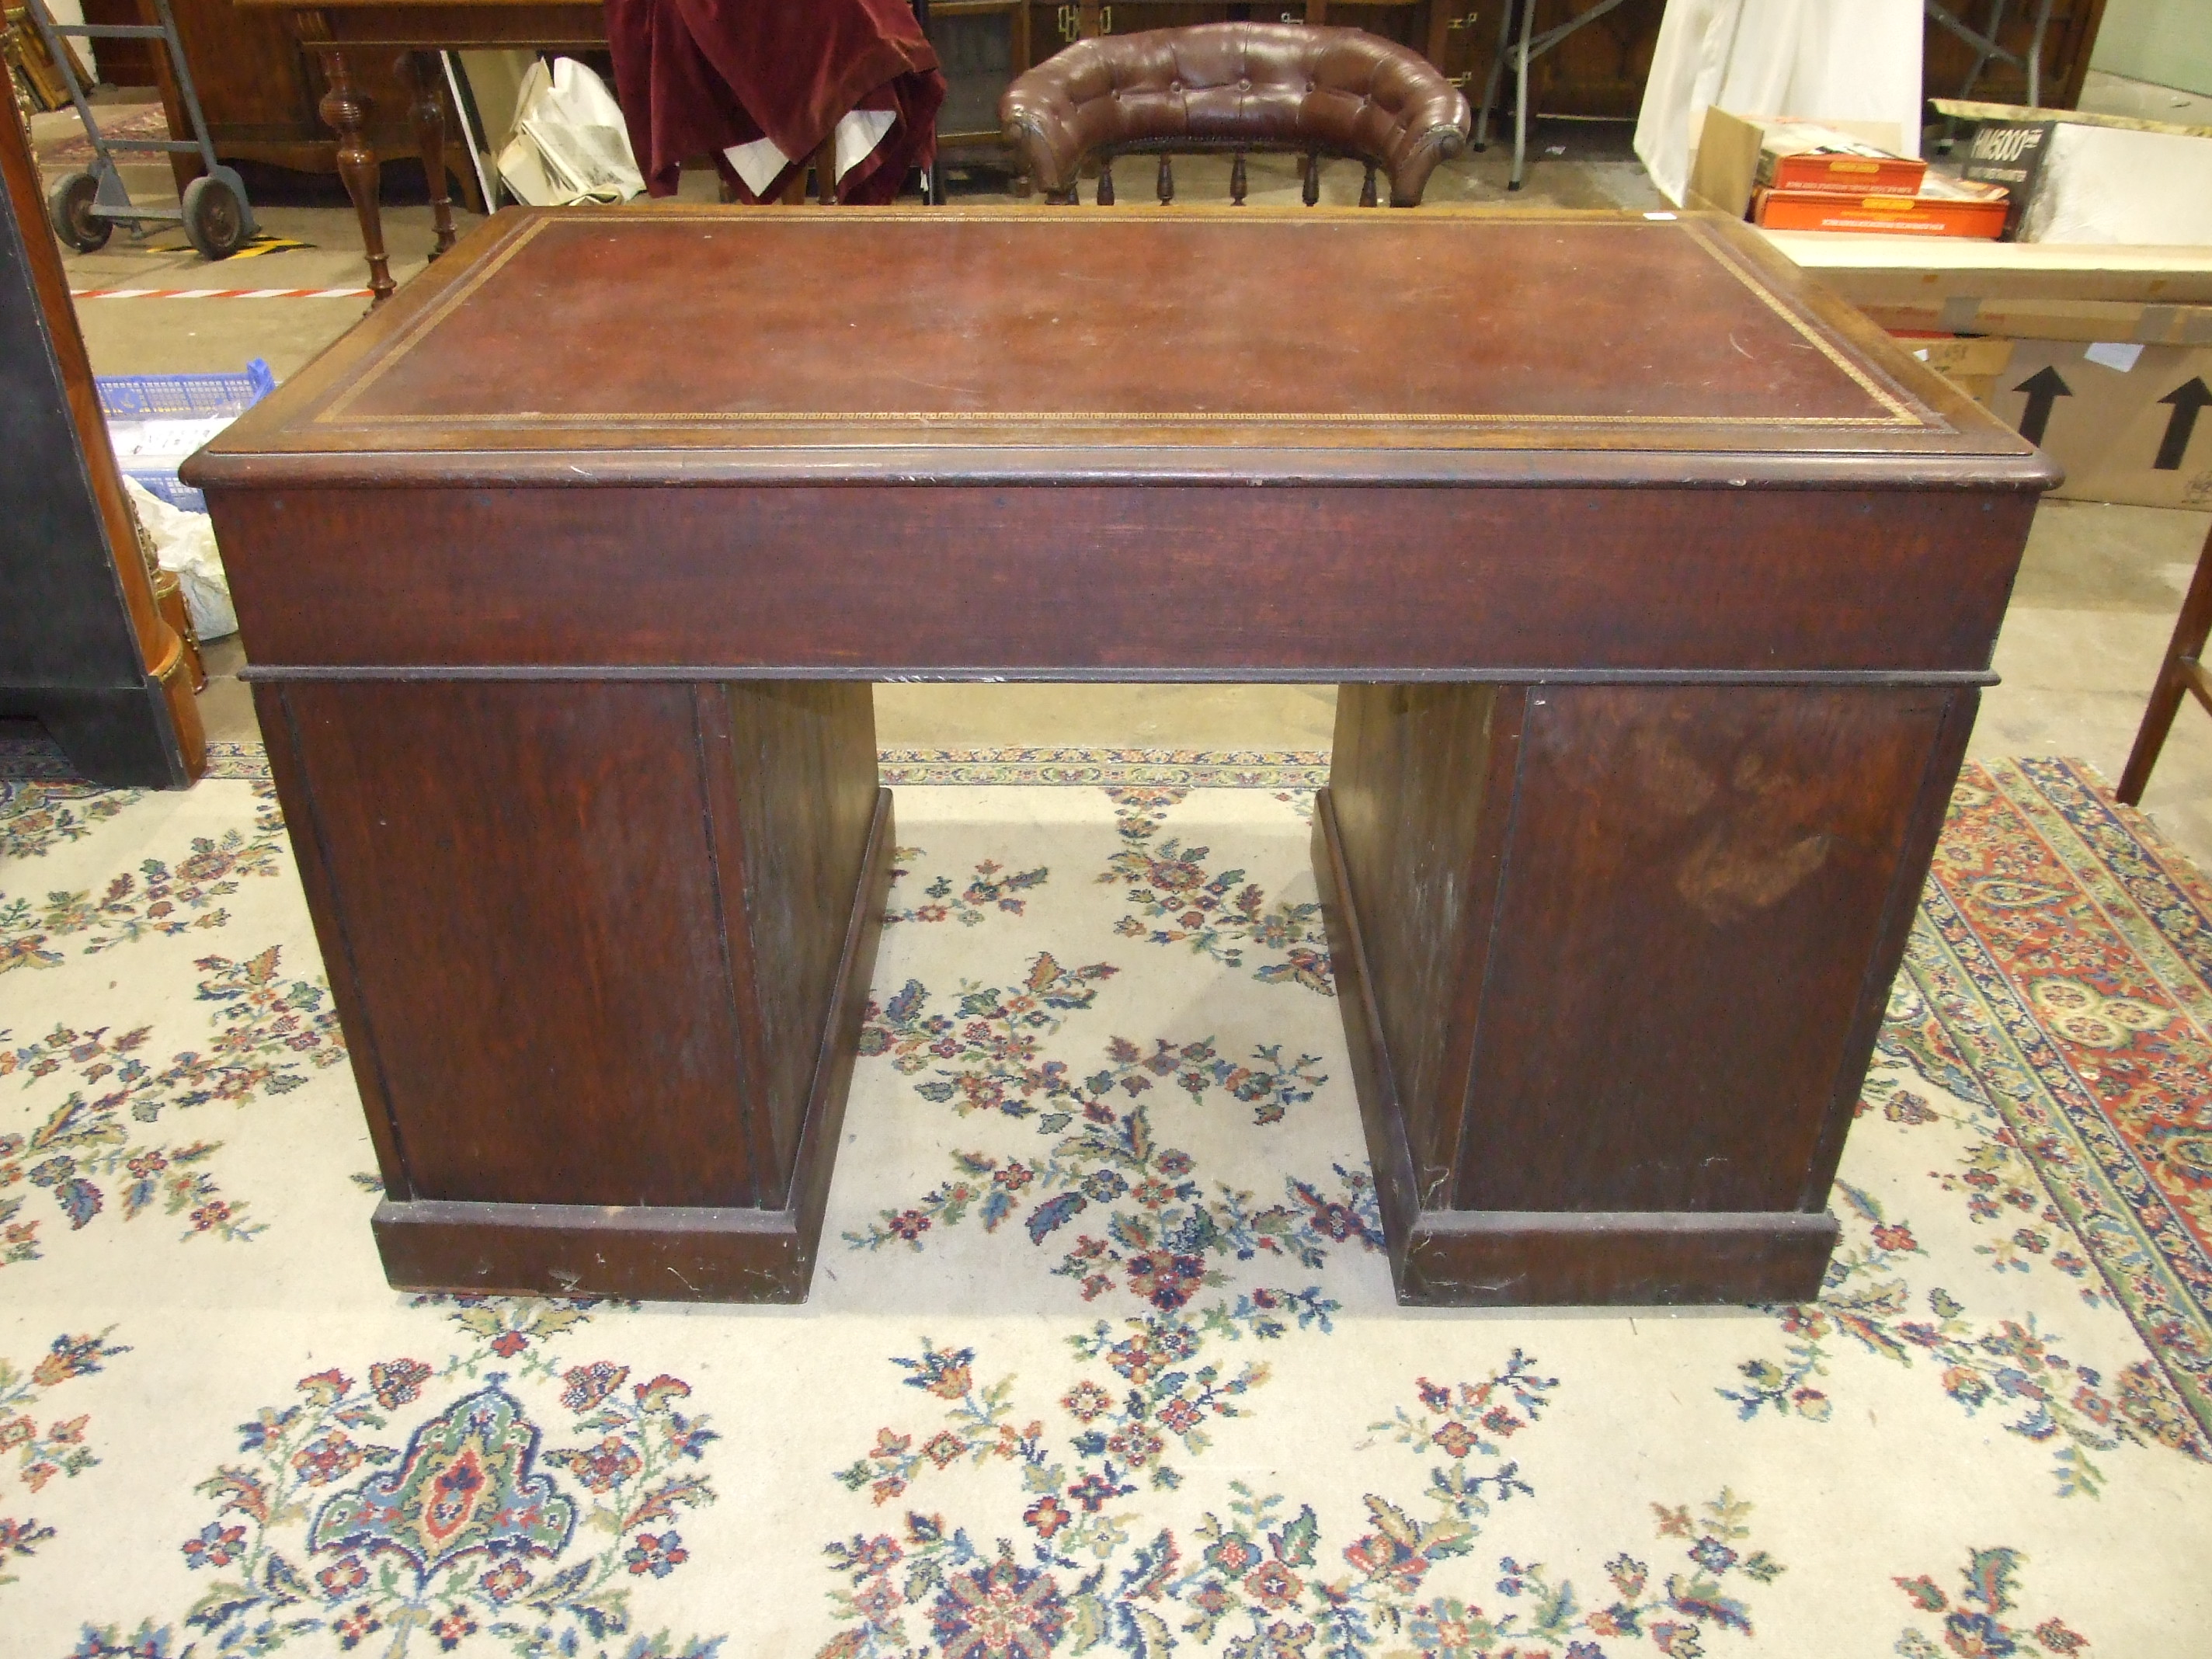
<point>1986,50</point>
<point>1497,71</point>
<point>1521,98</point>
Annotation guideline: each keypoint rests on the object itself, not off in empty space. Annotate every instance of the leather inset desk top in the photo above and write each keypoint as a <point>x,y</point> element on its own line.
<point>938,344</point>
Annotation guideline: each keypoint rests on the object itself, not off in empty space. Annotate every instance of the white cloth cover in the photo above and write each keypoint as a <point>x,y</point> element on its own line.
<point>859,132</point>
<point>183,545</point>
<point>1830,60</point>
<point>569,142</point>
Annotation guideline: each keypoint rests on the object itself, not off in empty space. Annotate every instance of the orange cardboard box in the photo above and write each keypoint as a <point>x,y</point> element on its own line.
<point>1803,155</point>
<point>1943,207</point>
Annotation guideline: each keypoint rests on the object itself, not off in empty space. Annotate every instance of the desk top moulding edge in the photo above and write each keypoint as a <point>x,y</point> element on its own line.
<point>1937,437</point>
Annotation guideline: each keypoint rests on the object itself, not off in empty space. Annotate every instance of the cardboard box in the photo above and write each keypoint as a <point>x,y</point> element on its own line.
<point>1969,363</point>
<point>2096,181</point>
<point>1807,156</point>
<point>2127,421</point>
<point>1941,208</point>
<point>1726,168</point>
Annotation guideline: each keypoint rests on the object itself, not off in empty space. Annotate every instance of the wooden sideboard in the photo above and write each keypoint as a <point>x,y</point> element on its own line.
<point>1660,587</point>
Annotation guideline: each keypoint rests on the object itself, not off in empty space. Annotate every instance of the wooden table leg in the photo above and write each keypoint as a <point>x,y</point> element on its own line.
<point>2183,671</point>
<point>420,74</point>
<point>1612,960</point>
<point>346,109</point>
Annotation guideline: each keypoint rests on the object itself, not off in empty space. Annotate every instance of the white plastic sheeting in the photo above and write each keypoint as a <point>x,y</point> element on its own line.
<point>184,543</point>
<point>1824,60</point>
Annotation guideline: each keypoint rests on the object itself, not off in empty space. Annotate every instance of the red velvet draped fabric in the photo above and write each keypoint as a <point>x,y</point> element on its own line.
<point>697,76</point>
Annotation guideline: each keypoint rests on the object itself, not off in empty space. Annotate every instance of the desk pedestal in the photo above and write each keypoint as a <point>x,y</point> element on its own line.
<point>1612,960</point>
<point>601,951</point>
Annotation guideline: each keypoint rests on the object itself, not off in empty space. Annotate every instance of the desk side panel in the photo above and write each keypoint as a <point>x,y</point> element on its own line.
<point>800,770</point>
<point>1698,880</point>
<point>1421,786</point>
<point>1095,581</point>
<point>523,877</point>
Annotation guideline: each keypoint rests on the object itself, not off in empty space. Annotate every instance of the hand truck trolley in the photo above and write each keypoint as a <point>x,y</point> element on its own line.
<point>85,206</point>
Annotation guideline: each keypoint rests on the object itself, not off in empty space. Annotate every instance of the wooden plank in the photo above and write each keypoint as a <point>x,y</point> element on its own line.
<point>1091,580</point>
<point>1504,1259</point>
<point>1905,270</point>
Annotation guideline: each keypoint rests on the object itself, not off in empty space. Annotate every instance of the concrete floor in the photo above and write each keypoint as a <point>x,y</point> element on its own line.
<point>2090,616</point>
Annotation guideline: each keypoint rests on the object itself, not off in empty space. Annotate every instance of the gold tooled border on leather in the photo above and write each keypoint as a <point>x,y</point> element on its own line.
<point>334,414</point>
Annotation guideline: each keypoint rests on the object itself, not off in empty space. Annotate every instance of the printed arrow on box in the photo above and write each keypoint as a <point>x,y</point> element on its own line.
<point>2187,399</point>
<point>2044,387</point>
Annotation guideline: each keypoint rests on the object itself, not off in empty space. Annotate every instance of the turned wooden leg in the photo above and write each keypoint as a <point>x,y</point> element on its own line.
<point>346,110</point>
<point>419,74</point>
<point>2181,674</point>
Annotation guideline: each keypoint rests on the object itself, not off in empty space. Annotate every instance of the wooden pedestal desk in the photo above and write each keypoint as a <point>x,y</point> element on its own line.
<point>1659,586</point>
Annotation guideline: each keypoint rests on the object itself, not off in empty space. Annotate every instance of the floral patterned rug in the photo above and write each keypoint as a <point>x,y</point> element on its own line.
<point>1102,1357</point>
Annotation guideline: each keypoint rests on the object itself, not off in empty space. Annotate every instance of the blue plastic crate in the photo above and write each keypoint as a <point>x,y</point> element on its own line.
<point>148,399</point>
<point>184,397</point>
<point>162,480</point>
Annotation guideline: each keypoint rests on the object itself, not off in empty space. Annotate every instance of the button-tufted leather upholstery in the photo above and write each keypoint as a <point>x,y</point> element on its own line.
<point>1236,86</point>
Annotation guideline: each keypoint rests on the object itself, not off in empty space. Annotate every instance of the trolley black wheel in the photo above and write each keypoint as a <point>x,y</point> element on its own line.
<point>214,217</point>
<point>69,206</point>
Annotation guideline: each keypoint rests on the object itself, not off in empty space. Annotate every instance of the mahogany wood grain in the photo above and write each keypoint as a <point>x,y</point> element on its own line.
<point>667,1252</point>
<point>1475,1259</point>
<point>1550,926</point>
<point>1089,579</point>
<point>542,855</point>
<point>794,788</point>
<point>1691,872</point>
<point>1421,783</point>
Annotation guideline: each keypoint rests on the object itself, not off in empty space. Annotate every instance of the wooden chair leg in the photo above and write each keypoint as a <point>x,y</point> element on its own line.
<point>1313,177</point>
<point>420,73</point>
<point>1236,182</point>
<point>1105,195</point>
<point>2183,671</point>
<point>1167,182</point>
<point>1367,189</point>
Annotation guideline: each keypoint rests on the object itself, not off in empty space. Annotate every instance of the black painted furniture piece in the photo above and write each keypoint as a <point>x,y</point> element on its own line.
<point>82,649</point>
